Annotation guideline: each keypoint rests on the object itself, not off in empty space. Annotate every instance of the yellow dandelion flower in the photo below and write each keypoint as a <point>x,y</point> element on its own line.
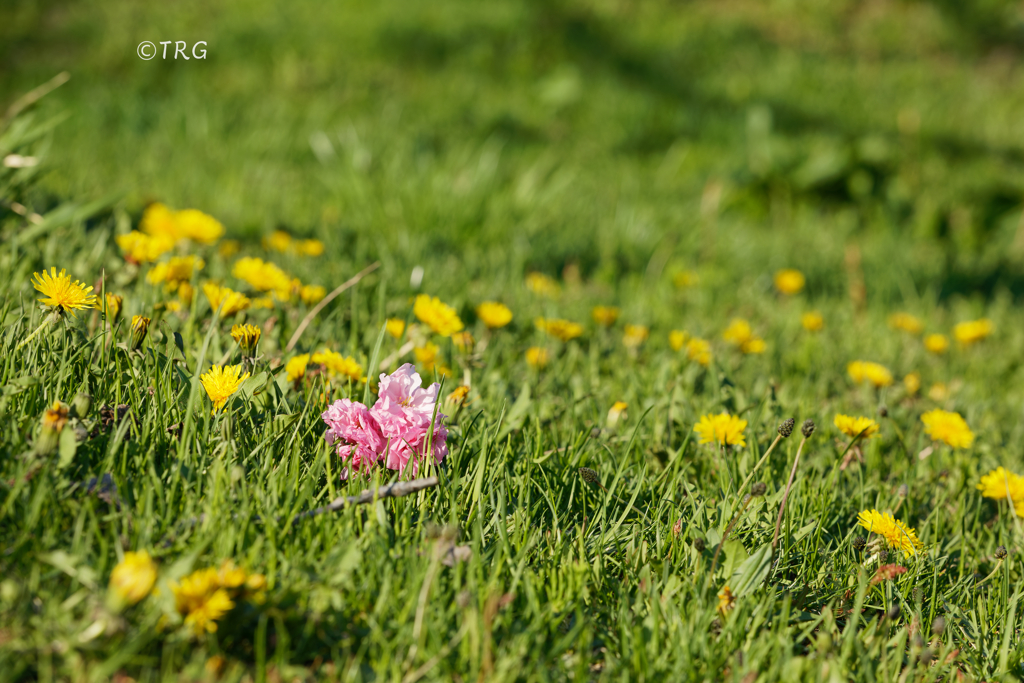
<point>55,417</point>
<point>185,293</point>
<point>605,316</point>
<point>948,427</point>
<point>562,330</point>
<point>203,619</point>
<point>936,343</point>
<point>938,392</point>
<point>686,279</point>
<point>395,327</point>
<point>229,248</point>
<point>62,293</point>
<point>537,357</point>
<point>133,577</point>
<point>426,355</point>
<point>221,382</point>
<point>635,335</point>
<point>912,383</point>
<point>463,341</point>
<point>853,426</point>
<point>1002,484</point>
<point>263,276</point>
<point>905,322</point>
<point>338,365</point>
<point>198,226</point>
<point>312,294</point>
<point>615,413</point>
<point>740,334</point>
<point>541,284</point>
<point>699,351</point>
<point>896,534</point>
<point>677,339</point>
<point>493,314</point>
<point>160,221</point>
<point>439,316</point>
<point>812,321</point>
<point>142,248</point>
<point>278,240</point>
<point>458,395</point>
<point>263,302</point>
<point>247,337</point>
<point>789,281</point>
<point>726,601</point>
<point>296,367</point>
<point>225,300</point>
<point>972,331</point>
<point>861,370</point>
<point>724,429</point>
<point>202,599</point>
<point>174,271</point>
<point>309,247</point>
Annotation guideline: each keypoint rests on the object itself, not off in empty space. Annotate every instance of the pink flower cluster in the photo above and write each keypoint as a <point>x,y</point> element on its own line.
<point>396,429</point>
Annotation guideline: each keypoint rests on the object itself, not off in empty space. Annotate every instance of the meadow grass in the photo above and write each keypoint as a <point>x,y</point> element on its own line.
<point>665,160</point>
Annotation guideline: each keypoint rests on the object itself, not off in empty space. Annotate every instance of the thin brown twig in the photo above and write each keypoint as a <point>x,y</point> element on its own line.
<point>395,490</point>
<point>33,96</point>
<point>326,300</point>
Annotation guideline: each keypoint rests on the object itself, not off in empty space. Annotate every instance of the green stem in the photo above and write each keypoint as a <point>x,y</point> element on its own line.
<point>49,320</point>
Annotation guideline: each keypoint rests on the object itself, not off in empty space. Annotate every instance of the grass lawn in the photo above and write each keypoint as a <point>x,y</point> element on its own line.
<point>612,497</point>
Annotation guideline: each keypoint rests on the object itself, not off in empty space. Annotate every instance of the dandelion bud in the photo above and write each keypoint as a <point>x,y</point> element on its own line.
<point>247,337</point>
<point>590,476</point>
<point>52,423</point>
<point>894,612</point>
<point>883,411</point>
<point>81,405</point>
<point>903,491</point>
<point>1001,552</point>
<point>786,427</point>
<point>140,328</point>
<point>883,555</point>
<point>758,489</point>
<point>859,543</point>
<point>807,428</point>
<point>699,545</point>
<point>112,310</point>
<point>938,626</point>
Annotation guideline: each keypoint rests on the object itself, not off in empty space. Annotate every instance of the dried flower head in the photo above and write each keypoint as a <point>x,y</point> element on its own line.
<point>887,572</point>
<point>590,476</point>
<point>858,543</point>
<point>758,489</point>
<point>786,427</point>
<point>807,428</point>
<point>1001,552</point>
<point>61,293</point>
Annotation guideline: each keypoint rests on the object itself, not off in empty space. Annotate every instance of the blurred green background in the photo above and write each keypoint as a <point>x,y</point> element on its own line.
<point>630,139</point>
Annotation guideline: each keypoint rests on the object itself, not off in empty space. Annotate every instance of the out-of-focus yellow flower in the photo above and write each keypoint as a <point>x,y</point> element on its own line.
<point>938,392</point>
<point>699,351</point>
<point>541,284</point>
<point>263,276</point>
<point>537,357</point>
<point>312,294</point>
<point>170,306</point>
<point>278,241</point>
<point>562,330</point>
<point>896,534</point>
<point>198,226</point>
<point>724,429</point>
<point>741,335</point>
<point>439,316</point>
<point>296,367</point>
<point>905,322</point>
<point>677,339</point>
<point>133,577</point>
<point>338,365</point>
<point>1002,484</point>
<point>225,300</point>
<point>158,220</point>
<point>247,337</point>
<point>605,316</point>
<point>493,314</point>
<point>309,247</point>
<point>174,271</point>
<point>635,335</point>
<point>726,601</point>
<point>686,279</point>
<point>789,281</point>
<point>853,426</point>
<point>615,413</point>
<point>912,383</point>
<point>142,248</point>
<point>458,396</point>
<point>229,248</point>
<point>263,302</point>
<point>426,355</point>
<point>861,370</point>
<point>185,293</point>
<point>812,321</point>
<point>221,382</point>
<point>201,600</point>
<point>463,341</point>
<point>936,343</point>
<point>948,427</point>
<point>62,293</point>
<point>972,331</point>
<point>395,327</point>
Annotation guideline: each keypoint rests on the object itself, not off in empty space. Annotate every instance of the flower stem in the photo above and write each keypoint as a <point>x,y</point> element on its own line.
<point>785,496</point>
<point>743,486</point>
<point>49,320</point>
